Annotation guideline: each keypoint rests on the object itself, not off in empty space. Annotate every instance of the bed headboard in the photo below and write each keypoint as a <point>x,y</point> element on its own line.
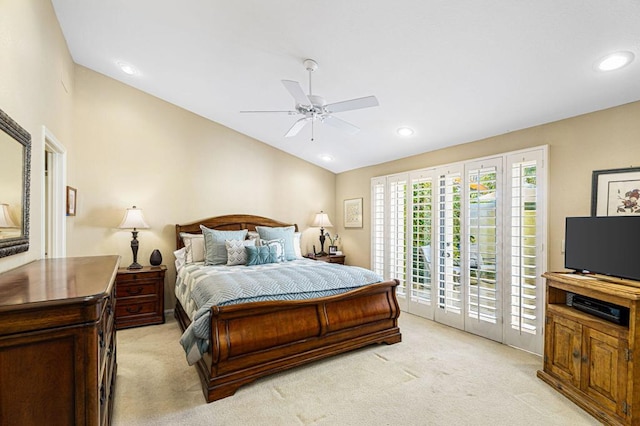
<point>231,222</point>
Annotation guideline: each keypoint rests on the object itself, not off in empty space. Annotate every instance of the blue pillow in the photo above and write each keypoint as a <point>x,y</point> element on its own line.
<point>286,233</point>
<point>215,251</point>
<point>259,255</point>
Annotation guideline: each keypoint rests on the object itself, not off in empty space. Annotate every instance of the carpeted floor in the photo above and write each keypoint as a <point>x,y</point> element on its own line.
<point>436,376</point>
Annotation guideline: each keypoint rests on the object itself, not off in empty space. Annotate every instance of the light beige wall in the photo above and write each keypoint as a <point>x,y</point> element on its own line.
<point>606,139</point>
<point>131,148</point>
<point>36,90</point>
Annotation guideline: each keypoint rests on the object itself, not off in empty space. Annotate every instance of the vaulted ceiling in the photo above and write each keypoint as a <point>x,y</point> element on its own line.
<point>452,70</point>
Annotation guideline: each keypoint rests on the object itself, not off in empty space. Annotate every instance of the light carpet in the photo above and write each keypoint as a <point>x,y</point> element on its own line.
<point>436,376</point>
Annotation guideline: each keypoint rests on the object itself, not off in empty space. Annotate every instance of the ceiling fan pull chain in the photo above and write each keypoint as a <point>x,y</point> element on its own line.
<point>312,127</point>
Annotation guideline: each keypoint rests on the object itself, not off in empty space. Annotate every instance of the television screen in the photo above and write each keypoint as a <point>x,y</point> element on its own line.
<point>607,245</point>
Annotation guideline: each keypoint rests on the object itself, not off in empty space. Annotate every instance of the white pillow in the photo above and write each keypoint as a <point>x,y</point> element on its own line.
<point>296,244</point>
<point>236,252</point>
<point>194,246</point>
<point>181,257</point>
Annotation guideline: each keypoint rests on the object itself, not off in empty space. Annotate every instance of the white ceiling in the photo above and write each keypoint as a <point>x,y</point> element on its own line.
<point>453,70</point>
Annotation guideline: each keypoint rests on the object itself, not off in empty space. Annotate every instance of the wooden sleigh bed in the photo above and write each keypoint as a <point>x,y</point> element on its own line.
<point>252,340</point>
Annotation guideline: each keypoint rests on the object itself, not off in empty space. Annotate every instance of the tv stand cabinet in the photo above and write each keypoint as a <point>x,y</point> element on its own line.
<point>588,359</point>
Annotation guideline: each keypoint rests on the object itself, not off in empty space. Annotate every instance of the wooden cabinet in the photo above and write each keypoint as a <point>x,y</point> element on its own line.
<point>58,342</point>
<point>590,359</point>
<point>333,258</point>
<point>140,294</point>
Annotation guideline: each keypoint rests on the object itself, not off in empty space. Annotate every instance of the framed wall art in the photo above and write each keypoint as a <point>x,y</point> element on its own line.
<point>71,201</point>
<point>616,192</point>
<point>353,213</point>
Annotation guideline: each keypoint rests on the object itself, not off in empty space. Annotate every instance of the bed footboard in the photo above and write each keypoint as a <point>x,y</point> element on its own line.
<point>252,340</point>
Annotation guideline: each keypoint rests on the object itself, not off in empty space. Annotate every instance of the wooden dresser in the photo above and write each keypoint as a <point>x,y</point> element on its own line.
<point>140,294</point>
<point>58,342</point>
<point>590,360</point>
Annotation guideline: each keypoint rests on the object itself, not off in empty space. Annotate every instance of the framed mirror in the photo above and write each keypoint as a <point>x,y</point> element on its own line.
<point>15,173</point>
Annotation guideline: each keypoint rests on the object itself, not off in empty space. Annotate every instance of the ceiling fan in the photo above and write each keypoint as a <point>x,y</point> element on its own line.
<point>314,108</point>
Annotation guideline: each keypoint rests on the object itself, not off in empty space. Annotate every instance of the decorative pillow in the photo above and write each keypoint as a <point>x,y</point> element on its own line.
<point>194,247</point>
<point>236,253</point>
<point>260,255</point>
<point>286,232</point>
<point>279,248</point>
<point>215,252</point>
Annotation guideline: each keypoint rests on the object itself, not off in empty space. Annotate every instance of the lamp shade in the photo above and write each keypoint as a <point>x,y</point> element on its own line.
<point>322,220</point>
<point>5,217</point>
<point>133,219</point>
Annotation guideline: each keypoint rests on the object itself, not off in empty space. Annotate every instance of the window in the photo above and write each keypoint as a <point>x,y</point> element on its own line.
<point>466,243</point>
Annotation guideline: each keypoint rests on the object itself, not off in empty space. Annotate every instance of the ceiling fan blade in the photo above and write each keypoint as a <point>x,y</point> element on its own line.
<point>297,126</point>
<point>366,102</point>
<point>277,112</point>
<point>296,91</point>
<point>341,124</point>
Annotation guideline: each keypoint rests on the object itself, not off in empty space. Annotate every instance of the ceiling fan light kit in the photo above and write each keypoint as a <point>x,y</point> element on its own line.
<point>315,108</point>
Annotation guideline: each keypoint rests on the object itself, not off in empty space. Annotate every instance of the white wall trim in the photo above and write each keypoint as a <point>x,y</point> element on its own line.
<point>58,225</point>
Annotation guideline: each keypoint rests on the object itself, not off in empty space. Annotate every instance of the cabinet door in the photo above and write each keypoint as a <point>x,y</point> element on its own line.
<point>563,347</point>
<point>604,373</point>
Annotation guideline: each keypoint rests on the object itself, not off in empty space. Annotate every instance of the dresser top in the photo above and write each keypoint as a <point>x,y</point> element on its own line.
<point>45,281</point>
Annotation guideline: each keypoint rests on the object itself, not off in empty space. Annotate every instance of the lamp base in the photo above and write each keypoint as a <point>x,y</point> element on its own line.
<point>134,265</point>
<point>322,254</point>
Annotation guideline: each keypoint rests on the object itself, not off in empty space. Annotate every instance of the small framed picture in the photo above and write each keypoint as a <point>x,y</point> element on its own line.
<point>71,201</point>
<point>333,249</point>
<point>353,213</point>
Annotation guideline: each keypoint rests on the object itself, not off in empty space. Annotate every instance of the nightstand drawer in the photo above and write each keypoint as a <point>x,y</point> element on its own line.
<point>141,288</point>
<point>136,277</point>
<point>135,307</point>
<point>333,258</point>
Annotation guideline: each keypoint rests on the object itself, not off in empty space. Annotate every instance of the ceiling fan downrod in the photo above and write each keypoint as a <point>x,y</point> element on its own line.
<point>310,65</point>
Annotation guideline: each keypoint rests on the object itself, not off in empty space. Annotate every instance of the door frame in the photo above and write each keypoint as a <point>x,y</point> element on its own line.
<point>53,209</point>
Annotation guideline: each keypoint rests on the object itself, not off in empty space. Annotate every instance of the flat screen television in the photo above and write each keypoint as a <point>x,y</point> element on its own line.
<point>608,245</point>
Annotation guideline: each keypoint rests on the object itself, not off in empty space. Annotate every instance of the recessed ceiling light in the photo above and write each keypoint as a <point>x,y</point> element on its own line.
<point>127,68</point>
<point>405,131</point>
<point>614,61</point>
<point>326,157</point>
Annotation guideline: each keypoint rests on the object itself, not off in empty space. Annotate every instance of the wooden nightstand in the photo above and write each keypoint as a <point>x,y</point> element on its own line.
<point>333,258</point>
<point>140,296</point>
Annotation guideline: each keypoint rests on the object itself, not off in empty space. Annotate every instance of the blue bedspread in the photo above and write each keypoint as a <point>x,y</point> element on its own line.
<point>295,280</point>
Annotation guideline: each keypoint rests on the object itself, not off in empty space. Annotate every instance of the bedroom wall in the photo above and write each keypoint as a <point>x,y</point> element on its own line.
<point>36,90</point>
<point>606,139</point>
<point>131,148</point>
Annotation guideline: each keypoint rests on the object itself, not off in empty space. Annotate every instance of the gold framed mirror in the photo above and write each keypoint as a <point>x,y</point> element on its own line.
<point>15,174</point>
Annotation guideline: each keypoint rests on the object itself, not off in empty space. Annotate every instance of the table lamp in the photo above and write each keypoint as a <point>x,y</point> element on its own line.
<point>322,220</point>
<point>134,220</point>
